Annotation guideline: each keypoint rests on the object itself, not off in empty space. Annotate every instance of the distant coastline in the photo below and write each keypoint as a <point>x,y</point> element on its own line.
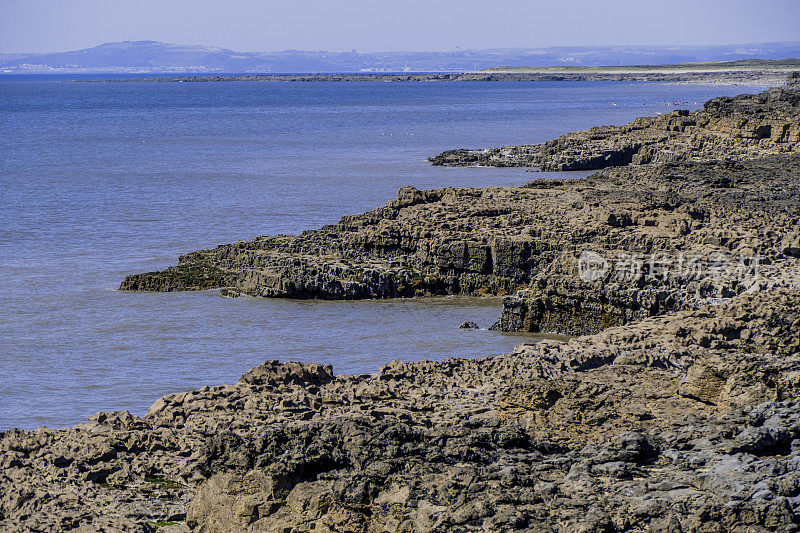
<point>719,76</point>
<point>154,58</point>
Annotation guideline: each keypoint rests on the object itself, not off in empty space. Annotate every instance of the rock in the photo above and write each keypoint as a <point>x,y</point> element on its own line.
<point>229,293</point>
<point>698,416</point>
<point>468,325</point>
<point>744,127</point>
<point>674,406</point>
<point>277,373</point>
<point>758,72</point>
<point>498,240</point>
<point>228,502</point>
<point>527,242</point>
<point>792,246</point>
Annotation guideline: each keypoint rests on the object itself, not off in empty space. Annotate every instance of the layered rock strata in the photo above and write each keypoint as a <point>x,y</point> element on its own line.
<point>527,241</point>
<point>735,224</point>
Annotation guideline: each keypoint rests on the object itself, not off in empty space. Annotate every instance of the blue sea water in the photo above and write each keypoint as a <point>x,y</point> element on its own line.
<point>100,180</point>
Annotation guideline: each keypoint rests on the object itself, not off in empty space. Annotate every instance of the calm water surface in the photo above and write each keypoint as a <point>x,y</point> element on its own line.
<point>100,180</point>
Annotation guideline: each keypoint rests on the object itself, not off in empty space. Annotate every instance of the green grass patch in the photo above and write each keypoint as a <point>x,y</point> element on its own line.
<point>163,483</point>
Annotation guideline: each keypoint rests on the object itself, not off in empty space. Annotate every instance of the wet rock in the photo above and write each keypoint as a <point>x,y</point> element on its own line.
<point>229,293</point>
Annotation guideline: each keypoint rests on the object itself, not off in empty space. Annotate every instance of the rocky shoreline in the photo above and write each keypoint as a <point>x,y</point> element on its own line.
<point>744,127</point>
<point>687,422</point>
<point>526,242</point>
<point>675,406</point>
<point>712,77</point>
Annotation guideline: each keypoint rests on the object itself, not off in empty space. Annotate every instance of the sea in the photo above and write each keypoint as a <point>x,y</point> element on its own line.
<point>103,179</point>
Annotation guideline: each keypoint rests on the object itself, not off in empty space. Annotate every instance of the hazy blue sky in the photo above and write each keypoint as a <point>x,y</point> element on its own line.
<point>372,25</point>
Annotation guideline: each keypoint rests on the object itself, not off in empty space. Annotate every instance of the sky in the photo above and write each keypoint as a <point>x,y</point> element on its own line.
<point>380,25</point>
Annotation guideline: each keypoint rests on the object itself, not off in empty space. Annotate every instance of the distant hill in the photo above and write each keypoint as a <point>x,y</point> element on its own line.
<point>158,57</point>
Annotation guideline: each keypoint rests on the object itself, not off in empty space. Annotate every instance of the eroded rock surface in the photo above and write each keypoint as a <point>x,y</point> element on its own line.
<point>737,221</point>
<point>687,422</point>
